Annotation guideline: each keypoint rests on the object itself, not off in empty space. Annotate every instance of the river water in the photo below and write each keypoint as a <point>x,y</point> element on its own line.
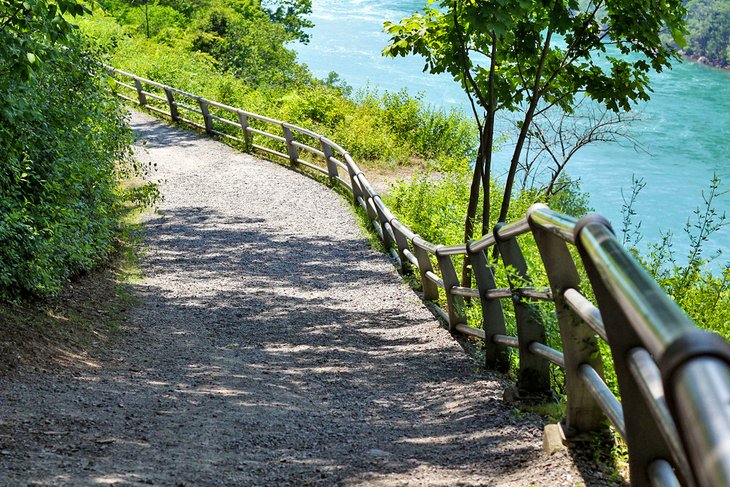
<point>685,128</point>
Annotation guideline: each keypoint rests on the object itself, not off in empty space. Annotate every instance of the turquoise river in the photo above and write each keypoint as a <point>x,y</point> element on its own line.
<point>685,128</point>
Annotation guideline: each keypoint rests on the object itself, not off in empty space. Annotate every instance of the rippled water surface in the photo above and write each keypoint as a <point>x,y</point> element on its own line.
<point>685,127</point>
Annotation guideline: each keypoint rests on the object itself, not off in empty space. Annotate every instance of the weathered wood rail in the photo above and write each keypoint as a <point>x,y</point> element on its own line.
<point>673,378</point>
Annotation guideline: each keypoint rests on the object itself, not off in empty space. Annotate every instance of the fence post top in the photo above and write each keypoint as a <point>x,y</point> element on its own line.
<point>537,206</point>
<point>587,220</point>
<point>495,232</point>
<point>691,345</point>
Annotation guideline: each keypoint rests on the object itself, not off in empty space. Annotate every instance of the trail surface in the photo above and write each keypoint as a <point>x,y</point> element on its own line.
<point>271,346</point>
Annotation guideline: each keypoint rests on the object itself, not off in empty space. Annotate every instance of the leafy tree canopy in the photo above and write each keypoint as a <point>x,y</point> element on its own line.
<point>247,37</point>
<point>288,14</point>
<point>519,55</point>
<point>456,38</point>
<point>292,15</point>
<point>28,28</point>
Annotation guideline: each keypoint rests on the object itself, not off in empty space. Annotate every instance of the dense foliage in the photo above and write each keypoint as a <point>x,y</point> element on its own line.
<point>708,23</point>
<point>62,135</point>
<point>30,31</point>
<point>236,52</point>
<point>239,34</point>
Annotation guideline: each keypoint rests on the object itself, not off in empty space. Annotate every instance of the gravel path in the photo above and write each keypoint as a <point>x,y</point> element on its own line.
<point>271,346</point>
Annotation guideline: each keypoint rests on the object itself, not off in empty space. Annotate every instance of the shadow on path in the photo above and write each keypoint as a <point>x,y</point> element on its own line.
<point>266,352</point>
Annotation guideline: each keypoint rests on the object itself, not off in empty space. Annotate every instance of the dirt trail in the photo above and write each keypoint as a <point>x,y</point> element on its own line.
<point>271,346</point>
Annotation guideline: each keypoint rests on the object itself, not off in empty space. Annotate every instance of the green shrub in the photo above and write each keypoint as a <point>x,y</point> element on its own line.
<point>315,107</point>
<point>236,56</point>
<point>431,132</point>
<point>58,177</point>
<point>432,205</point>
<point>161,19</point>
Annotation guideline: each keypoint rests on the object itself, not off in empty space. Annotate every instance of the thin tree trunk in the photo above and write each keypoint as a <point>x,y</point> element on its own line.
<point>483,168</point>
<point>486,184</point>
<point>488,143</point>
<point>486,188</point>
<point>471,211</point>
<point>514,163</point>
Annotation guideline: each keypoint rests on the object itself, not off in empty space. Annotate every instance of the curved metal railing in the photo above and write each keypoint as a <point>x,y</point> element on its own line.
<point>674,379</point>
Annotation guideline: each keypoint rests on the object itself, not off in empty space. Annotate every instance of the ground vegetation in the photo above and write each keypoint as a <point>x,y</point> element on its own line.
<point>65,149</point>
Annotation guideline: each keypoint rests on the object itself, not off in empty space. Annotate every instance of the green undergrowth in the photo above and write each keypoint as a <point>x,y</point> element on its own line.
<point>65,329</point>
<point>434,207</point>
<point>66,199</point>
<point>66,149</point>
<point>235,56</point>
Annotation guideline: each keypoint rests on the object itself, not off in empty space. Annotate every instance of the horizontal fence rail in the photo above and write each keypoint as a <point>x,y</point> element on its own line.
<point>673,378</point>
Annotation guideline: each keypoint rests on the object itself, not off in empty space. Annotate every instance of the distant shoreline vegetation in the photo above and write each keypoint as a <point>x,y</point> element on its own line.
<point>708,38</point>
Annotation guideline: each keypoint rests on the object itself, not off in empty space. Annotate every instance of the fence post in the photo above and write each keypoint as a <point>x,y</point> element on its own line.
<point>401,241</point>
<point>206,115</point>
<point>430,289</point>
<point>451,279</point>
<point>534,373</point>
<point>370,208</point>
<point>140,92</point>
<point>388,239</point>
<point>328,155</point>
<point>243,120</point>
<point>643,438</point>
<point>579,341</point>
<point>495,356</point>
<point>354,182</point>
<point>173,106</point>
<point>290,147</point>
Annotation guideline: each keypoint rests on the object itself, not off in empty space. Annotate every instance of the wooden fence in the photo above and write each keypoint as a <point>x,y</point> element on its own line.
<point>673,378</point>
